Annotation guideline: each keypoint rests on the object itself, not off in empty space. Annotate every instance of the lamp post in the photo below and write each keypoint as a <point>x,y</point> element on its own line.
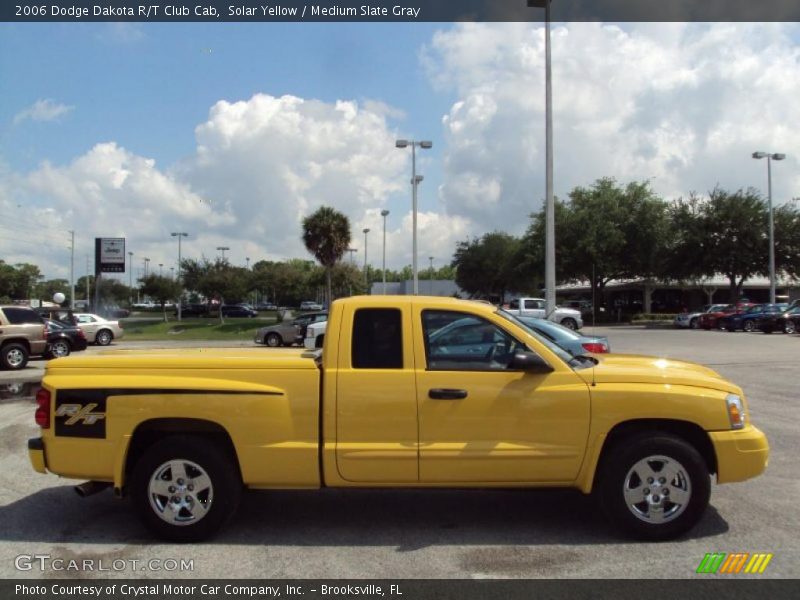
<point>130,274</point>
<point>550,220</point>
<point>384,214</point>
<point>222,249</point>
<point>366,273</point>
<point>179,235</point>
<point>770,158</point>
<point>430,258</point>
<point>352,252</point>
<point>247,260</point>
<point>172,273</point>
<point>160,266</point>
<point>415,181</point>
<point>146,262</point>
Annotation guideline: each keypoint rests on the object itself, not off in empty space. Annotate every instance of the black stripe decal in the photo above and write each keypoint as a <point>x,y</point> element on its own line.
<point>82,412</point>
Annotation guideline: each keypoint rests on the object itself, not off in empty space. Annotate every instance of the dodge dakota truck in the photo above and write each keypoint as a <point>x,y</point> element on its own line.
<point>406,392</point>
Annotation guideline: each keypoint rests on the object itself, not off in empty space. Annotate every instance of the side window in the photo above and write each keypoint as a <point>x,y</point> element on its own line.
<point>21,316</point>
<point>377,339</point>
<point>513,305</point>
<point>460,342</point>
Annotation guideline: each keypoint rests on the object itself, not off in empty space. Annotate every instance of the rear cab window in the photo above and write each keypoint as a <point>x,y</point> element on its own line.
<point>377,339</point>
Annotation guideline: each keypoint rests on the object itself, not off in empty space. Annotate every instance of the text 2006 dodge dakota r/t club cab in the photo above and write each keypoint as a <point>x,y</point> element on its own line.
<point>407,392</point>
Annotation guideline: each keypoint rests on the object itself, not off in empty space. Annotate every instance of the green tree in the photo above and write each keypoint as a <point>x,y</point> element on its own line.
<point>45,290</point>
<point>787,238</point>
<point>162,289</point>
<point>326,235</point>
<point>487,266</point>
<point>216,279</point>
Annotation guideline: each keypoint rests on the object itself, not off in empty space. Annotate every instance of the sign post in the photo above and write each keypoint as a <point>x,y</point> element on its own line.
<point>109,257</point>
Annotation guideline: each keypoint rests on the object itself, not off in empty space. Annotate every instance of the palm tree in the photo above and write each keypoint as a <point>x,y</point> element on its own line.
<point>326,234</point>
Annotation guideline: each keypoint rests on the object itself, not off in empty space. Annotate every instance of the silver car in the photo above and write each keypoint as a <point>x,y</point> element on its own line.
<point>288,332</point>
<point>98,330</point>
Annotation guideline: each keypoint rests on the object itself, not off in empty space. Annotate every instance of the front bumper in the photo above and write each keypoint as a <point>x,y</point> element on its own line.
<point>36,455</point>
<point>741,454</point>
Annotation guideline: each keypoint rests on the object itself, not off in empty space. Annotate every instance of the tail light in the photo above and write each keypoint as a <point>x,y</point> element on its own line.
<point>43,408</point>
<point>81,334</point>
<point>595,347</point>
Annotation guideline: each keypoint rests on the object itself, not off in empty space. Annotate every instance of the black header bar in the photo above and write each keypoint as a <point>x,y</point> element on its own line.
<point>398,10</point>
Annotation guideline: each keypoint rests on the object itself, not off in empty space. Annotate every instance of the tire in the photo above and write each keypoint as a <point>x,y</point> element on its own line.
<point>749,326</point>
<point>14,356</point>
<point>569,323</point>
<point>693,324</point>
<point>273,340</point>
<point>790,327</point>
<point>60,348</point>
<point>624,479</point>
<point>202,512</point>
<point>103,337</point>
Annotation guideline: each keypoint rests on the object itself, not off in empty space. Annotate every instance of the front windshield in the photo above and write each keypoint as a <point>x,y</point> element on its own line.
<point>552,346</point>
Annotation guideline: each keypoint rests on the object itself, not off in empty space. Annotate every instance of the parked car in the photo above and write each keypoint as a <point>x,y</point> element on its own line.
<point>288,332</point>
<point>315,335</point>
<point>691,320</point>
<point>571,341</point>
<point>309,305</point>
<point>710,320</point>
<point>535,307</point>
<point>56,313</point>
<point>63,339</point>
<point>266,306</point>
<point>98,330</point>
<point>193,310</point>
<point>746,321</point>
<point>787,322</point>
<point>22,334</point>
<point>236,311</point>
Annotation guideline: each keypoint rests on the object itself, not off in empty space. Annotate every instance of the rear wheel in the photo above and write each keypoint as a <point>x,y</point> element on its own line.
<point>790,327</point>
<point>103,337</point>
<point>654,486</point>
<point>274,340</point>
<point>749,326</point>
<point>14,356</point>
<point>60,348</point>
<point>185,488</point>
<point>693,324</point>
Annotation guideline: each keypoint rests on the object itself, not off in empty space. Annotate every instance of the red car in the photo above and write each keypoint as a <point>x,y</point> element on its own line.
<point>710,320</point>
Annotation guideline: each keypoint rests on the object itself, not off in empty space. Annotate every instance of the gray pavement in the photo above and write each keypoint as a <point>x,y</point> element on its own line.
<point>436,534</point>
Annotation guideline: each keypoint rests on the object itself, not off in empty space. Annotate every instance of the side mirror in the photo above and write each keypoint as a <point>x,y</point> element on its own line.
<point>530,362</point>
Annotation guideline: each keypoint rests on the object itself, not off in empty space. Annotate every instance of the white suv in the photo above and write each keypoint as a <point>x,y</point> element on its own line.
<point>315,335</point>
<point>535,307</point>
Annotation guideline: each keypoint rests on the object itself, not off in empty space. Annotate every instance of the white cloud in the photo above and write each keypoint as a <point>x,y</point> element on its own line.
<point>681,105</point>
<point>42,110</point>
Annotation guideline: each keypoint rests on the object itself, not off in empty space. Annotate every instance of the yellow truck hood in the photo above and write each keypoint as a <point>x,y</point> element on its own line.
<point>188,358</point>
<point>633,368</point>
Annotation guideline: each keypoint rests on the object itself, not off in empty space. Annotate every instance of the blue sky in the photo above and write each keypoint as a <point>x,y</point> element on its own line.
<point>233,132</point>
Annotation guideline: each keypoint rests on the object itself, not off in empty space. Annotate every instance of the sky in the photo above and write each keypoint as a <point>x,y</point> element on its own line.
<point>234,132</point>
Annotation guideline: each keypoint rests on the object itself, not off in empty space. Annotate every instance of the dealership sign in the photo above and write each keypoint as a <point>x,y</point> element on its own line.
<point>109,255</point>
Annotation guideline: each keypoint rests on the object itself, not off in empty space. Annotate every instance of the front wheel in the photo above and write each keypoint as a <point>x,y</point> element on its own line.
<point>693,324</point>
<point>274,340</point>
<point>655,486</point>
<point>790,327</point>
<point>185,488</point>
<point>103,337</point>
<point>570,323</point>
<point>749,326</point>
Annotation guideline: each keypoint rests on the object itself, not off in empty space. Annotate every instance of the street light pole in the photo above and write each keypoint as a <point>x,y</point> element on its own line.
<point>550,219</point>
<point>160,266</point>
<point>130,275</point>
<point>222,249</point>
<point>770,158</point>
<point>366,273</point>
<point>384,214</point>
<point>179,235</point>
<point>146,262</point>
<point>415,181</point>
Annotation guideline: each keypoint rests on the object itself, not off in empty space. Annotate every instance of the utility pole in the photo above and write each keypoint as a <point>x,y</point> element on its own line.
<point>179,235</point>
<point>72,271</point>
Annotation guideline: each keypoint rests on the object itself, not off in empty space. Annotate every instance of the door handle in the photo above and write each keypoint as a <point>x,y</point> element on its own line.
<point>446,394</point>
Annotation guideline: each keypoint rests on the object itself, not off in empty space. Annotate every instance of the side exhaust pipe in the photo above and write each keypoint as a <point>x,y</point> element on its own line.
<point>90,488</point>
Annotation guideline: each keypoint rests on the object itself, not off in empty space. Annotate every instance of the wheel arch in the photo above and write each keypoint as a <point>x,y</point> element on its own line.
<point>23,341</point>
<point>690,432</point>
<point>152,431</point>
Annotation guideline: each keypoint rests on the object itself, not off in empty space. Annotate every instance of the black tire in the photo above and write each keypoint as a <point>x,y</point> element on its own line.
<point>14,356</point>
<point>620,470</point>
<point>570,323</point>
<point>103,337</point>
<point>60,348</point>
<point>749,326</point>
<point>213,460</point>
<point>273,340</point>
<point>789,327</point>
<point>693,324</point>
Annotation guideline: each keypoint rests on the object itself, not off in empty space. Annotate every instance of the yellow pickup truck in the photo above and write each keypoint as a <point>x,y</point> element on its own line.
<point>407,392</point>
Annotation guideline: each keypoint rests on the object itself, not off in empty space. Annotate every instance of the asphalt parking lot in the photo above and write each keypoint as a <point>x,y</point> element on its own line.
<point>432,534</point>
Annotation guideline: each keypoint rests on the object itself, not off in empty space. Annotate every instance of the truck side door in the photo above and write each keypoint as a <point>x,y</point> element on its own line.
<point>480,422</point>
<point>376,408</point>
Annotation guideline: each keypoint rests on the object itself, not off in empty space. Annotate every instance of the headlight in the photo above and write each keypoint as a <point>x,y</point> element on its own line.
<point>735,411</point>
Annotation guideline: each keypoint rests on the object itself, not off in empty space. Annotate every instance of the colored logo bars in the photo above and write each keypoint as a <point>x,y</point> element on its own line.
<point>737,562</point>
